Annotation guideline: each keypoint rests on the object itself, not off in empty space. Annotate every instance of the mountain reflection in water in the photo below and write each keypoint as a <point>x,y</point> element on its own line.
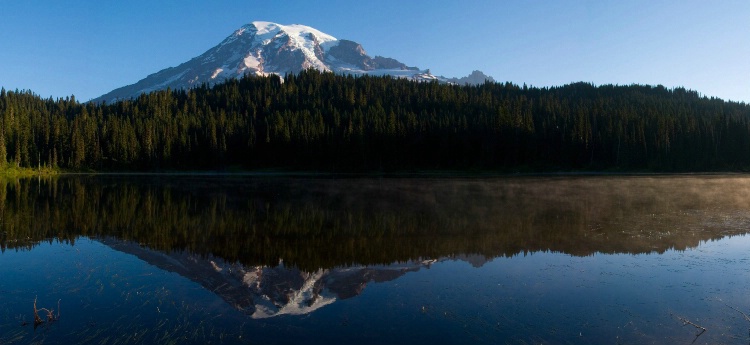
<point>218,259</point>
<point>264,291</point>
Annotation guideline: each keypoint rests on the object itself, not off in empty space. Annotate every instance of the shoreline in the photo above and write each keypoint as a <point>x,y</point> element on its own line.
<point>326,174</point>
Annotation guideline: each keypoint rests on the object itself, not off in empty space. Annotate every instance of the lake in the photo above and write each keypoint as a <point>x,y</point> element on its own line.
<point>206,259</point>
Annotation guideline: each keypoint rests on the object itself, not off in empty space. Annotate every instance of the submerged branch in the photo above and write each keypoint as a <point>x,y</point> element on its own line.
<point>37,320</point>
<point>51,317</point>
<point>688,322</point>
<point>739,311</point>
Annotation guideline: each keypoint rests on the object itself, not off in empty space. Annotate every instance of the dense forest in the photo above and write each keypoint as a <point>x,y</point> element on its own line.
<point>327,122</point>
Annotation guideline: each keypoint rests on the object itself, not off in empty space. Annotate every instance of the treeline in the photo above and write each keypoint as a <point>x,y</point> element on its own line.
<point>322,121</point>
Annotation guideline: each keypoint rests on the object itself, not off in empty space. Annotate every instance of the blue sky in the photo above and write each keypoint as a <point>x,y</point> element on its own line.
<point>88,48</point>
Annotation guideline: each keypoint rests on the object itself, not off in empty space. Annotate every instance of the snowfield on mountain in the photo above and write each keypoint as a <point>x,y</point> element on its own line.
<point>263,48</point>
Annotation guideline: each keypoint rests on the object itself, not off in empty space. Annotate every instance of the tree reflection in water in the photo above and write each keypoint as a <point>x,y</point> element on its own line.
<point>313,223</point>
<point>274,246</point>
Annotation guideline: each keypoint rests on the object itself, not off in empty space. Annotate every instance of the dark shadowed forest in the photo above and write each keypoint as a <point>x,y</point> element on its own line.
<point>327,122</point>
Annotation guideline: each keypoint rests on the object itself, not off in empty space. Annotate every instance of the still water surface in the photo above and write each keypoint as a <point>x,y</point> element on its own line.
<point>281,260</point>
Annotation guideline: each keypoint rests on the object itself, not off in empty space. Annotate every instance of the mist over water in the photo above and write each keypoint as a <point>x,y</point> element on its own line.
<point>433,217</point>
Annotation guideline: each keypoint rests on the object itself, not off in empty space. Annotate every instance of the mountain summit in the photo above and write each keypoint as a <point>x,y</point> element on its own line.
<point>262,48</point>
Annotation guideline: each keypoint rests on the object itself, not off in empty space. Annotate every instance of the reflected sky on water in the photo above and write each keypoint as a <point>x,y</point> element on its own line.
<point>319,260</point>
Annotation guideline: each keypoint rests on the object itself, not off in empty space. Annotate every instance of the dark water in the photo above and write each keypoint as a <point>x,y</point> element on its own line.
<point>274,260</point>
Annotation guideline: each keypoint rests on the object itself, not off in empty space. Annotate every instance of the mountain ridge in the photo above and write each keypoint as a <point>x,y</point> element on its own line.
<point>263,48</point>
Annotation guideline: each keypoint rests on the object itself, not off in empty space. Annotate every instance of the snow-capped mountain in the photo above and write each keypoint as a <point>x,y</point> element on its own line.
<point>263,48</point>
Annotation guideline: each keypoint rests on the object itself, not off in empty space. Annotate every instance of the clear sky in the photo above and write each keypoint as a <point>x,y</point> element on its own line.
<point>87,48</point>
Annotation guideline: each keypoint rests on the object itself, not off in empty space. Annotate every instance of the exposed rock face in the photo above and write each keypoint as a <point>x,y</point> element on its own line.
<point>351,52</point>
<point>388,63</point>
